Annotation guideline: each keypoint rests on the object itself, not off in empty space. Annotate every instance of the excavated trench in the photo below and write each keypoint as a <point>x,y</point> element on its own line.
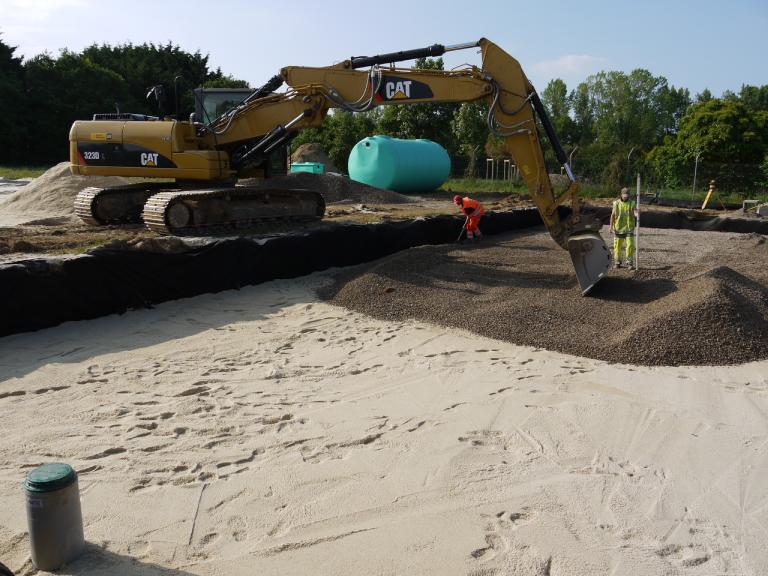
<point>699,299</point>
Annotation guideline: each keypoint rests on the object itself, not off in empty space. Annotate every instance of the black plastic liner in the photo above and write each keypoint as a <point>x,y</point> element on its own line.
<point>40,293</point>
<point>714,203</point>
<point>685,220</point>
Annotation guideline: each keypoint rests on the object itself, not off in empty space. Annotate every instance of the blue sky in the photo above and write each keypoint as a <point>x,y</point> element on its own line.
<point>704,44</point>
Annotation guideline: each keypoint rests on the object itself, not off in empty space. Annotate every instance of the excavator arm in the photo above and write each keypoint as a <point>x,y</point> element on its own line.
<point>513,106</point>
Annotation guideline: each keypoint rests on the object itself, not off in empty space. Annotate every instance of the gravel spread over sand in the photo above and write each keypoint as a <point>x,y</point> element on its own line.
<point>699,298</point>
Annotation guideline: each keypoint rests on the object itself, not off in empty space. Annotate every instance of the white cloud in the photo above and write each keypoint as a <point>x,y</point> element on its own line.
<point>28,12</point>
<point>570,65</point>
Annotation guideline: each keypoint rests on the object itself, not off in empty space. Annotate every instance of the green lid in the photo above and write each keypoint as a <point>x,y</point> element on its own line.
<point>50,477</point>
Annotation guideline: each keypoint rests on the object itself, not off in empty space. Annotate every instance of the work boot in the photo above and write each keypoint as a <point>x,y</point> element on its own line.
<point>618,264</point>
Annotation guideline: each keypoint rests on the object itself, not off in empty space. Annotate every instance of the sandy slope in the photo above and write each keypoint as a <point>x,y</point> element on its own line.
<point>264,432</point>
<point>49,196</point>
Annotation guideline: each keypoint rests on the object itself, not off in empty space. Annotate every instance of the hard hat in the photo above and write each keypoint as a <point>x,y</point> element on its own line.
<point>457,199</point>
<point>625,190</point>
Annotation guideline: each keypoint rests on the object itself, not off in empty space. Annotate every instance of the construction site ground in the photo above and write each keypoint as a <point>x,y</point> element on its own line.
<point>454,409</point>
<point>66,235</point>
<point>265,428</point>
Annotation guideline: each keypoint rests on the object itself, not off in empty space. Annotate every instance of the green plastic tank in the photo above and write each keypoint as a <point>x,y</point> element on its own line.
<point>399,165</point>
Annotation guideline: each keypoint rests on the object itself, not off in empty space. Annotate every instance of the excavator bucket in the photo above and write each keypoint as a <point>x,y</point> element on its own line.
<point>591,258</point>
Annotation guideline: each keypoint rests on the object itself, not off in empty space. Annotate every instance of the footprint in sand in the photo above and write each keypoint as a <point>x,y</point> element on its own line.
<point>105,453</point>
<point>502,390</point>
<point>238,528</point>
<point>502,553</point>
<point>50,389</point>
<point>195,391</point>
<point>453,406</point>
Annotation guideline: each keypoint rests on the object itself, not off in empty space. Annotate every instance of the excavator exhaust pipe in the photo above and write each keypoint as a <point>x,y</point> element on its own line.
<point>591,258</point>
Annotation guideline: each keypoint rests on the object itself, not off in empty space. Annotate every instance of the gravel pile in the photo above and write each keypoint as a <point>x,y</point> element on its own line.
<point>334,188</point>
<point>701,298</point>
<point>52,194</point>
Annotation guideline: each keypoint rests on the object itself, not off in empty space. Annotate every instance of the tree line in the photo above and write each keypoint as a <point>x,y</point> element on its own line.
<point>613,123</point>
<point>43,95</point>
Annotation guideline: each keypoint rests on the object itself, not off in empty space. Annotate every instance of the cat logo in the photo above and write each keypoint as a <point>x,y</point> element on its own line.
<point>149,158</point>
<point>398,90</point>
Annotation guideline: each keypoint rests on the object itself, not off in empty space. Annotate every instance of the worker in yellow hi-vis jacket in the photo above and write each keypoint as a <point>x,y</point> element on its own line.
<point>623,222</point>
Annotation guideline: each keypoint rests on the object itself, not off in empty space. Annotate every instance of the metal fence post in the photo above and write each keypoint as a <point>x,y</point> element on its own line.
<point>695,173</point>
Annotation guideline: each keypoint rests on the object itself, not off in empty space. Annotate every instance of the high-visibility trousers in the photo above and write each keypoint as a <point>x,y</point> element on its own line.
<point>473,224</point>
<point>619,242</point>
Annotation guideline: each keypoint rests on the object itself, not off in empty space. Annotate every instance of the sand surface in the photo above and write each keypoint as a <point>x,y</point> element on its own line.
<point>263,431</point>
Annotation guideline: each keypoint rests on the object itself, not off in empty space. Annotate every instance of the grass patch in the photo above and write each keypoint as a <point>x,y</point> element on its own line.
<point>728,197</point>
<point>474,185</point>
<point>16,172</point>
<point>479,185</point>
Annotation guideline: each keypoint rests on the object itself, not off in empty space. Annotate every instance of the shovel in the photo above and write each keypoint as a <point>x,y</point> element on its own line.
<point>463,229</point>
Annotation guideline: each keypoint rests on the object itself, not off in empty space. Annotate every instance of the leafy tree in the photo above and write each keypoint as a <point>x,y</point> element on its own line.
<point>146,65</point>
<point>704,96</point>
<point>52,92</point>
<point>583,113</point>
<point>470,131</point>
<point>338,135</point>
<point>731,138</point>
<point>764,170</point>
<point>673,104</point>
<point>13,129</point>
<point>225,82</point>
<point>63,90</point>
<point>558,104</point>
<point>754,97</point>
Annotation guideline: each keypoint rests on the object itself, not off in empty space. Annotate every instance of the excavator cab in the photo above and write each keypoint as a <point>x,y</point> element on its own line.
<point>211,103</point>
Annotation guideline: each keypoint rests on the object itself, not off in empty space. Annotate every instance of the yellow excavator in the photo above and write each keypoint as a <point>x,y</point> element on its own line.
<point>198,162</point>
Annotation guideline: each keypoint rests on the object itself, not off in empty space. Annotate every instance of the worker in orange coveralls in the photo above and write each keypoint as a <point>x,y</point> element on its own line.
<point>473,210</point>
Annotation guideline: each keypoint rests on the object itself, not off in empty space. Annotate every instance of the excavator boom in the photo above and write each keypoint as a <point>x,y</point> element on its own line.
<point>239,142</point>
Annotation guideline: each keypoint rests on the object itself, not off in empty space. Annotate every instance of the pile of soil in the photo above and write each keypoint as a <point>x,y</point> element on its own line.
<point>313,153</point>
<point>52,194</point>
<point>334,188</point>
<point>700,298</point>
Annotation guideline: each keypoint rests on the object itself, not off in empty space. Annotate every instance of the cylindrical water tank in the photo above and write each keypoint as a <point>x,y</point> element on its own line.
<point>399,165</point>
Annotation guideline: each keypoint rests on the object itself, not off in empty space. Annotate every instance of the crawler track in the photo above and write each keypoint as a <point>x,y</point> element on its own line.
<point>197,212</point>
<point>116,205</point>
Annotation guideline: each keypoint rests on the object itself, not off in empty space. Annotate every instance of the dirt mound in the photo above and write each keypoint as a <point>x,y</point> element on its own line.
<point>683,309</point>
<point>51,195</point>
<point>313,153</point>
<point>335,188</point>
